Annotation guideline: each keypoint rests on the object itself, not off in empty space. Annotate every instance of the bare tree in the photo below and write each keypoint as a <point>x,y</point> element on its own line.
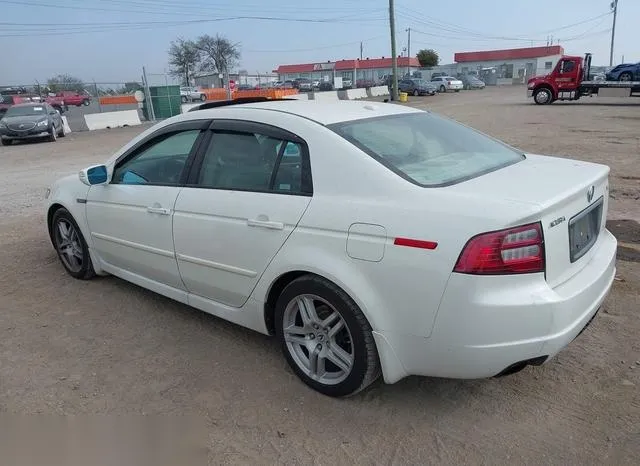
<point>184,58</point>
<point>218,53</point>
<point>65,82</point>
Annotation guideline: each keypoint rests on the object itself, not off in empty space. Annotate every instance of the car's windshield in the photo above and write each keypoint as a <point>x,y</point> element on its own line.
<point>419,82</point>
<point>427,149</point>
<point>26,111</point>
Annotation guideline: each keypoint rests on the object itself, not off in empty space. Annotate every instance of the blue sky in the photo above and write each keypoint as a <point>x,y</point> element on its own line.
<point>110,40</point>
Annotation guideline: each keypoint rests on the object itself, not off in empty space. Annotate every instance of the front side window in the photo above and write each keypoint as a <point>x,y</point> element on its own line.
<point>247,161</point>
<point>159,163</point>
<point>567,66</point>
<point>426,149</point>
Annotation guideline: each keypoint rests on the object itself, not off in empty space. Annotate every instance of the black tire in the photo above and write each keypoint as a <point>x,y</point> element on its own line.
<point>416,93</point>
<point>53,137</point>
<point>365,366</point>
<point>625,77</point>
<point>443,89</point>
<point>203,98</point>
<point>543,96</point>
<point>85,271</point>
<point>86,102</point>
<point>184,99</point>
<point>61,133</point>
<point>7,142</point>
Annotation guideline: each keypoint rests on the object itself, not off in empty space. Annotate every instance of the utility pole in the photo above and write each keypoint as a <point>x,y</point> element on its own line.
<point>614,7</point>
<point>409,51</point>
<point>360,50</point>
<point>394,56</point>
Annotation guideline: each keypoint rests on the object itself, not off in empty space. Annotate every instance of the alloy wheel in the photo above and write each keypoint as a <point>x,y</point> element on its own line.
<point>69,245</point>
<point>318,339</point>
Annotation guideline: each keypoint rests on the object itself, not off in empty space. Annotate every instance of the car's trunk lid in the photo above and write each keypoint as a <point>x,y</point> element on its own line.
<point>569,198</point>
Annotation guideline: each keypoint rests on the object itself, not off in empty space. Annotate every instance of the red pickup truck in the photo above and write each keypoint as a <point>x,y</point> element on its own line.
<point>73,98</point>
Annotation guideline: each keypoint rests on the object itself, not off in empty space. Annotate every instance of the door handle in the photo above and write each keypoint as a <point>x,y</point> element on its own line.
<point>266,224</point>
<point>158,210</point>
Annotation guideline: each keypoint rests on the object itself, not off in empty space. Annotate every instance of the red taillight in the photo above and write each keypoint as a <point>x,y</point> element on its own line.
<point>510,251</point>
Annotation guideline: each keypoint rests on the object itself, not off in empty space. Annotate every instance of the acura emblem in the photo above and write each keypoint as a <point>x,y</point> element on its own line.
<point>590,193</point>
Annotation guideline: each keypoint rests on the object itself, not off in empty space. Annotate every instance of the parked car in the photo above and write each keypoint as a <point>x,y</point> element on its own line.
<point>624,72</point>
<point>369,239</point>
<point>315,83</point>
<point>288,84</point>
<point>471,82</point>
<point>189,94</point>
<point>305,85</point>
<point>417,87</point>
<point>75,98</point>
<point>347,83</point>
<point>438,74</point>
<point>31,121</point>
<point>325,86</point>
<point>447,83</point>
<point>365,83</point>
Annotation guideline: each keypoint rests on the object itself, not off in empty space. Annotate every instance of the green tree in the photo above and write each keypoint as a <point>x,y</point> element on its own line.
<point>184,58</point>
<point>428,57</point>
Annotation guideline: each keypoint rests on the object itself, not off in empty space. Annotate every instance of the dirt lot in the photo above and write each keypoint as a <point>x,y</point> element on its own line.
<point>104,346</point>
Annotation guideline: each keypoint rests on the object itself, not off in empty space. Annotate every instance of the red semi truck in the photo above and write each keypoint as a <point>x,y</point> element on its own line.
<point>570,80</point>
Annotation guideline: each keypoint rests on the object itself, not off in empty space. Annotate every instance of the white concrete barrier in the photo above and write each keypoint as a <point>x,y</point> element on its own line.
<point>298,96</point>
<point>378,91</point>
<point>112,119</point>
<point>359,93</point>
<point>326,96</point>
<point>65,125</point>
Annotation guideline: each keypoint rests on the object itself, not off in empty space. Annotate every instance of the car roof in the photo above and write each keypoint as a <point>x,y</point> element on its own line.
<point>29,104</point>
<point>325,113</point>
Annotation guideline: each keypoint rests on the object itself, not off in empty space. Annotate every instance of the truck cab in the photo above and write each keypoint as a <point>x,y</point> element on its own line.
<point>563,83</point>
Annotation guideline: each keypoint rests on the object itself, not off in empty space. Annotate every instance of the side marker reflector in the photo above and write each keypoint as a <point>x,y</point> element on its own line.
<point>415,243</point>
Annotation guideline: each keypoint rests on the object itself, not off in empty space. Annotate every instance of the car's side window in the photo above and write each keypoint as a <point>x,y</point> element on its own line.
<point>160,162</point>
<point>249,161</point>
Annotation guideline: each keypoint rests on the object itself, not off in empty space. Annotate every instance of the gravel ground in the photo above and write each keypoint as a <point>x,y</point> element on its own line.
<point>108,347</point>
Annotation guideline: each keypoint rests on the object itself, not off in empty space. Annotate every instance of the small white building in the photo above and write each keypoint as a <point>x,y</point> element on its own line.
<point>509,66</point>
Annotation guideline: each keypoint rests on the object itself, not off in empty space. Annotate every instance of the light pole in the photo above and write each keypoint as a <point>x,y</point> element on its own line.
<point>409,51</point>
<point>394,56</point>
<point>614,7</point>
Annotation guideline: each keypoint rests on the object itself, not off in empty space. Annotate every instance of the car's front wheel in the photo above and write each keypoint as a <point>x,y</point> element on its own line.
<point>443,89</point>
<point>626,77</point>
<point>70,245</point>
<point>6,142</point>
<point>325,337</point>
<point>53,135</point>
<point>86,102</point>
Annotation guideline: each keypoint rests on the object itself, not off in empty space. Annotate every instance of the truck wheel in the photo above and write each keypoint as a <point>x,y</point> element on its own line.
<point>543,96</point>
<point>625,77</point>
<point>86,102</point>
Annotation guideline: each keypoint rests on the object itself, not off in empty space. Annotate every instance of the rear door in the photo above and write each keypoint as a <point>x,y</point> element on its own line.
<point>245,195</point>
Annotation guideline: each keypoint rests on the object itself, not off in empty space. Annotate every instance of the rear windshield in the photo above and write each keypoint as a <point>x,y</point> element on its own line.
<point>26,111</point>
<point>426,149</point>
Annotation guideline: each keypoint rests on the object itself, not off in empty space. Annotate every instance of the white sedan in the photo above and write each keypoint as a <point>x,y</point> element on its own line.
<point>447,83</point>
<point>370,238</point>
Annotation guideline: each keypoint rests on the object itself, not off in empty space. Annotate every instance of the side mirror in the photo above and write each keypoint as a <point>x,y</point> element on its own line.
<point>94,175</point>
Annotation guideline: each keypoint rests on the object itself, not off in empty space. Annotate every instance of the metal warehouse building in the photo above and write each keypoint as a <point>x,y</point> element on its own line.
<point>510,66</point>
<point>367,68</point>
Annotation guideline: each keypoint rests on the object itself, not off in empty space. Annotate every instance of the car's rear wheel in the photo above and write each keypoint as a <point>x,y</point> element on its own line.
<point>183,99</point>
<point>625,77</point>
<point>325,337</point>
<point>70,245</point>
<point>86,102</point>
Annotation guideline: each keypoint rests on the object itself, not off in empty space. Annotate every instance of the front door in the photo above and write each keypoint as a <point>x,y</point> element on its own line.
<point>567,74</point>
<point>130,218</point>
<point>242,201</point>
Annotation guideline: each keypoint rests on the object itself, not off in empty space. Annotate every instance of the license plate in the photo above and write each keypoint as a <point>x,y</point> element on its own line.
<point>584,229</point>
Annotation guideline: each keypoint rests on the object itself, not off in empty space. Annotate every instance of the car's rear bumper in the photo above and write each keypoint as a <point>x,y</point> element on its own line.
<point>485,325</point>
